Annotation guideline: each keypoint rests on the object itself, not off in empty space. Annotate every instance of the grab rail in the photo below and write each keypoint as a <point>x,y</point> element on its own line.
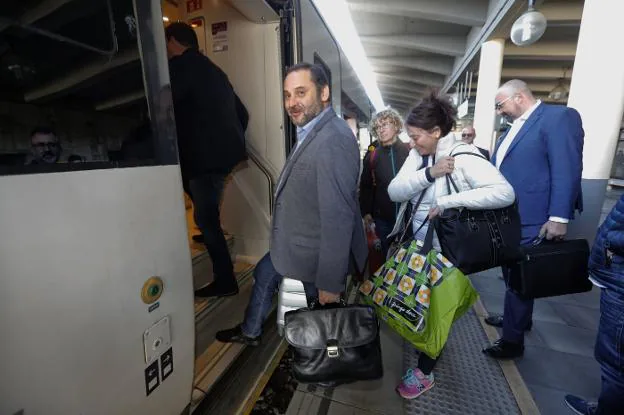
<point>253,157</point>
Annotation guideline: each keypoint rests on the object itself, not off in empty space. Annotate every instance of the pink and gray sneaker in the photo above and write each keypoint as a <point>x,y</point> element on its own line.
<point>414,384</point>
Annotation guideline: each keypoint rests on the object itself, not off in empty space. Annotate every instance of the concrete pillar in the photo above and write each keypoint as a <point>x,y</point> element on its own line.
<point>490,66</point>
<point>597,93</point>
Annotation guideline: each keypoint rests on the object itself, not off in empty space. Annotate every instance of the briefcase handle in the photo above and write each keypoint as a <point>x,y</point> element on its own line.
<point>542,238</point>
<point>315,305</point>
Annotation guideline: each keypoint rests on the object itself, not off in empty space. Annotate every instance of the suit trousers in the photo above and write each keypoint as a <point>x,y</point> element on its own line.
<point>266,282</point>
<point>517,315</point>
<point>205,192</point>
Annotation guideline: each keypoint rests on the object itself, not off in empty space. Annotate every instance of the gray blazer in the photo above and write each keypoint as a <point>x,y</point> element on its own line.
<point>316,222</point>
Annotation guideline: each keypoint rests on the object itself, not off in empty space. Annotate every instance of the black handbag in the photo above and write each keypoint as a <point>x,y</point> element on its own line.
<point>334,343</point>
<point>476,240</point>
<point>551,268</point>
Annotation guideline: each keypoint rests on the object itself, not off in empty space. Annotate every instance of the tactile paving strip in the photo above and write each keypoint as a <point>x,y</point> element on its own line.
<point>466,381</point>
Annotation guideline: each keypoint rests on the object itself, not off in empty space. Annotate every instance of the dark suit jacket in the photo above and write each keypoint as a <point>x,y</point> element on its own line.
<point>544,165</point>
<point>317,228</point>
<point>209,116</point>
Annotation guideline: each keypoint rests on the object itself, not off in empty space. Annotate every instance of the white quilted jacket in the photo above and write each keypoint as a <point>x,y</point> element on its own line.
<point>480,183</point>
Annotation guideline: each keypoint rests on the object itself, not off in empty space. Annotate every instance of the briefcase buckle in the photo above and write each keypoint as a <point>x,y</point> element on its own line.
<point>332,349</point>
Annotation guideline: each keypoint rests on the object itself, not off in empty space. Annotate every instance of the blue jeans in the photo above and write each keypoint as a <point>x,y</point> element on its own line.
<point>266,283</point>
<point>205,192</point>
<point>609,352</point>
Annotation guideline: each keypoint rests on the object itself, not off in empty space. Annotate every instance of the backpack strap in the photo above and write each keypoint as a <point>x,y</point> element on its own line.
<point>372,164</point>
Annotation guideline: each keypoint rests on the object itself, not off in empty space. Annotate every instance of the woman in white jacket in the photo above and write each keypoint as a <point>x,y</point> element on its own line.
<point>480,186</point>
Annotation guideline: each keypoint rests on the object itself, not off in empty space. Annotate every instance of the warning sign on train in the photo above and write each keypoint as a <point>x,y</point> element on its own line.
<point>219,37</point>
<point>193,5</point>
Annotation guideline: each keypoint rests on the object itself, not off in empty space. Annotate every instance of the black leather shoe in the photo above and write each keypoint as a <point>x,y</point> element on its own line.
<point>502,349</point>
<point>497,321</point>
<point>199,238</point>
<point>235,335</point>
<point>214,290</point>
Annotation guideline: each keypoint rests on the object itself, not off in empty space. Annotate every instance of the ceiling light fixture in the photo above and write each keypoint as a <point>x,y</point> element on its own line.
<point>338,17</point>
<point>560,92</point>
<point>529,27</point>
<point>165,19</point>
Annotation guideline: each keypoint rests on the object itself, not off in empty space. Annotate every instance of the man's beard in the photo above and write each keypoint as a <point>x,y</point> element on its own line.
<point>508,118</point>
<point>308,114</point>
<point>49,157</point>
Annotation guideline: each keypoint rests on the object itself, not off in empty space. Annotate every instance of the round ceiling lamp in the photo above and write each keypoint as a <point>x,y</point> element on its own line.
<point>529,27</point>
<point>560,92</point>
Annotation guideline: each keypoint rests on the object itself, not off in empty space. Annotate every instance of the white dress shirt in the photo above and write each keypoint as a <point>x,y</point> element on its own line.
<point>509,138</point>
<point>513,131</point>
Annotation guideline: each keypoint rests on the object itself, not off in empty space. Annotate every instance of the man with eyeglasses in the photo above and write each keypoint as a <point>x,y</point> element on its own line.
<point>541,156</point>
<point>468,136</point>
<point>45,146</point>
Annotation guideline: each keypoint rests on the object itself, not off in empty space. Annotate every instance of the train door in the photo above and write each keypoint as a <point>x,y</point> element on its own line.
<point>96,301</point>
<point>317,45</point>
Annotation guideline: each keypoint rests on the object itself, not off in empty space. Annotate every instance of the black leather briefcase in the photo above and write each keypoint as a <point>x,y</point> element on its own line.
<point>335,343</point>
<point>551,268</point>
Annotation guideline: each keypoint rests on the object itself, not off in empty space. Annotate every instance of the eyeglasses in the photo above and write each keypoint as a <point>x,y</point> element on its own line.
<point>466,135</point>
<point>387,124</point>
<point>499,105</point>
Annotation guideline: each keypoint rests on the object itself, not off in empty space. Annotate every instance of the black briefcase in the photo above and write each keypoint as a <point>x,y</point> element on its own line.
<point>551,268</point>
<point>334,343</point>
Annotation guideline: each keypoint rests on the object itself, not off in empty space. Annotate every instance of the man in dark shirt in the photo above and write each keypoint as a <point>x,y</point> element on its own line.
<point>210,123</point>
<point>468,136</point>
<point>45,146</point>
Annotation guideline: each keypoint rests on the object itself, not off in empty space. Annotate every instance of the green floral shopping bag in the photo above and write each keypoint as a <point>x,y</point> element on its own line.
<point>419,293</point>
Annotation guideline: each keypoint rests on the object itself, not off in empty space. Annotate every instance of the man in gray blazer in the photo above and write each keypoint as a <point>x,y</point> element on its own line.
<point>317,232</point>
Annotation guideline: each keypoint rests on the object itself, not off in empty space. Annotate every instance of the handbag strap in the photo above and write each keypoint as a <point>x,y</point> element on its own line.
<point>428,242</point>
<point>411,219</point>
<point>449,180</point>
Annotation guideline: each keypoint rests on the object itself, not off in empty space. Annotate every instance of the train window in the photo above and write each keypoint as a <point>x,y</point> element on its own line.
<point>319,61</point>
<point>83,85</point>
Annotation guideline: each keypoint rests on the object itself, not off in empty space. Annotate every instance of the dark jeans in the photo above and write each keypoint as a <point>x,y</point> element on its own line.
<point>609,353</point>
<point>383,229</point>
<point>266,283</point>
<point>205,192</point>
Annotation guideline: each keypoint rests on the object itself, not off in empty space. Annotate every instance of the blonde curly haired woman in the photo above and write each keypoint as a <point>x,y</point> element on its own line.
<point>382,162</point>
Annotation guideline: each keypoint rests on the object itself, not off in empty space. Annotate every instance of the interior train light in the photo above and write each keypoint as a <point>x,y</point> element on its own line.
<point>165,19</point>
<point>338,17</point>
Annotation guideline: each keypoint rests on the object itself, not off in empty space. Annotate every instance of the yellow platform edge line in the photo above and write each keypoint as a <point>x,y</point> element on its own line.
<point>255,393</point>
<point>518,387</point>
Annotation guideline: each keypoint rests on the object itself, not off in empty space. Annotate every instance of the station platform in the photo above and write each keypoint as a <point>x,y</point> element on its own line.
<point>558,360</point>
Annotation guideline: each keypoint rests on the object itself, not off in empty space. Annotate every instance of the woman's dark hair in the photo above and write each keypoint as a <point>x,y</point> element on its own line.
<point>433,111</point>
